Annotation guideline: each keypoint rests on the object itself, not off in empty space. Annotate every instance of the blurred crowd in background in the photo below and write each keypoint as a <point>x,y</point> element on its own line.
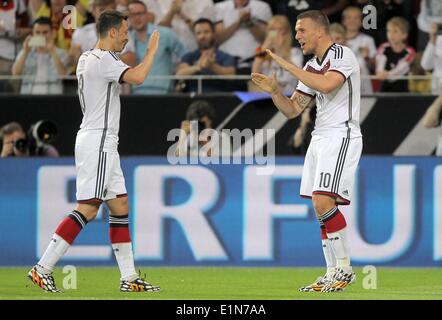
<point>219,38</point>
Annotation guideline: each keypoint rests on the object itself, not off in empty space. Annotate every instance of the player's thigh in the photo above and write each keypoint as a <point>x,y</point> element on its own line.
<point>309,170</point>
<point>89,164</point>
<point>338,160</point>
<point>345,184</point>
<point>331,161</point>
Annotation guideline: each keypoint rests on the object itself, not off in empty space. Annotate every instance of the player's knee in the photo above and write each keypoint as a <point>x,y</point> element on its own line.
<point>124,204</point>
<point>322,203</point>
<point>119,206</point>
<point>89,211</point>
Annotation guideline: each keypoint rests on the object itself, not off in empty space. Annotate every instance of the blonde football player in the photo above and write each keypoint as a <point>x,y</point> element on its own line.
<point>332,77</point>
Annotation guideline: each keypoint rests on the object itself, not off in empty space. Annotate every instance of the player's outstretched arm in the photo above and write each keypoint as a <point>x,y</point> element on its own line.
<point>138,74</point>
<point>324,83</point>
<point>290,107</point>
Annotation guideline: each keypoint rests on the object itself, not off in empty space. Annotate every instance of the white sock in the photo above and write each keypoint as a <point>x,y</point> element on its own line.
<point>55,250</point>
<point>329,256</point>
<point>125,259</point>
<point>338,242</point>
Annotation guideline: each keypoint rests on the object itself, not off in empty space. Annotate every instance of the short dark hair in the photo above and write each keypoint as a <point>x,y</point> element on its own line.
<point>199,109</point>
<point>318,17</point>
<point>107,20</point>
<point>42,21</point>
<point>204,20</point>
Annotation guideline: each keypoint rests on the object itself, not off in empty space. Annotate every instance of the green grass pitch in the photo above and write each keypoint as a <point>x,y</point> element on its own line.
<point>226,283</point>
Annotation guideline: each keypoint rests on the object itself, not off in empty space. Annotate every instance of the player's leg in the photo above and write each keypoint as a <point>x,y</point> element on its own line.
<point>307,185</point>
<point>117,202</point>
<point>122,246</point>
<point>334,223</point>
<point>337,166</point>
<point>90,166</point>
<point>335,226</point>
<point>120,237</point>
<point>64,236</point>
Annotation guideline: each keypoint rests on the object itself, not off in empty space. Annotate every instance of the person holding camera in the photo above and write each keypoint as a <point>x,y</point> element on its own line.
<point>12,13</point>
<point>12,135</point>
<point>40,61</point>
<point>16,144</point>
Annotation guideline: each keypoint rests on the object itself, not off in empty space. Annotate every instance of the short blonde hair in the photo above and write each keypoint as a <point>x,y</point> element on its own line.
<point>400,23</point>
<point>352,8</point>
<point>337,28</point>
<point>288,38</point>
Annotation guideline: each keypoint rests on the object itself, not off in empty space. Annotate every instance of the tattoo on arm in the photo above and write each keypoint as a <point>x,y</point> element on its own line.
<point>302,100</point>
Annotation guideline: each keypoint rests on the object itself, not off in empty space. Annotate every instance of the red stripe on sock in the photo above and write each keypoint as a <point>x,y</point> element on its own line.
<point>119,235</point>
<point>336,223</point>
<point>323,233</point>
<point>68,229</point>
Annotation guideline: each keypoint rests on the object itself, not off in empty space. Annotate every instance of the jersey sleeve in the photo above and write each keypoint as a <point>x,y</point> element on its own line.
<point>302,88</point>
<point>343,61</point>
<point>112,68</point>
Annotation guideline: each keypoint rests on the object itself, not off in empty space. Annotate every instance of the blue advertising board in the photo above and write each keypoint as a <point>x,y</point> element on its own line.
<point>228,215</point>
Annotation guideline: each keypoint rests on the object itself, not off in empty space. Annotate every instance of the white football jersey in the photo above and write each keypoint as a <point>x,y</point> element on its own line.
<point>99,75</point>
<point>337,112</point>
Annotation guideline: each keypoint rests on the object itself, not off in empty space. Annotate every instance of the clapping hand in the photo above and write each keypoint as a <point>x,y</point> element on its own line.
<point>267,84</point>
<point>153,42</point>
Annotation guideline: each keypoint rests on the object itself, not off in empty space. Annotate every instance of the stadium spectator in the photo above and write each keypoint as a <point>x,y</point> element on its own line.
<point>394,57</point>
<point>9,10</point>
<point>180,15</point>
<point>122,6</point>
<point>361,44</point>
<point>207,60</point>
<point>170,49</point>
<point>430,13</point>
<point>292,8</point>
<point>432,57</point>
<point>279,39</point>
<point>419,85</point>
<point>240,27</point>
<point>200,115</point>
<point>40,61</point>
<point>86,37</point>
<point>16,144</point>
<point>53,10</point>
<point>432,60</point>
<point>338,34</point>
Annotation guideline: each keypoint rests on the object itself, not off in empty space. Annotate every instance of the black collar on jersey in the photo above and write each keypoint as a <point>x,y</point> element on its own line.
<point>325,54</point>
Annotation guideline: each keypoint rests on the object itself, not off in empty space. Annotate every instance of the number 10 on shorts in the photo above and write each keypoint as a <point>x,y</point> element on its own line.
<point>324,180</point>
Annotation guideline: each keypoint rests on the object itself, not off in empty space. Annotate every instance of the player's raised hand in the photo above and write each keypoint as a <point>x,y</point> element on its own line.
<point>268,84</point>
<point>283,63</point>
<point>154,41</point>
